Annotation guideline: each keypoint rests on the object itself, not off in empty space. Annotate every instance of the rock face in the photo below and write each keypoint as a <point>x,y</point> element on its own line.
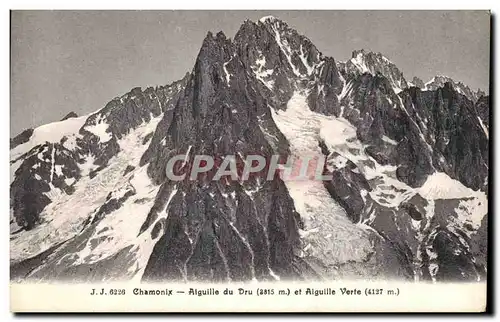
<point>417,82</point>
<point>439,81</point>
<point>21,138</point>
<point>375,63</point>
<point>69,116</point>
<point>401,204</point>
<point>219,230</point>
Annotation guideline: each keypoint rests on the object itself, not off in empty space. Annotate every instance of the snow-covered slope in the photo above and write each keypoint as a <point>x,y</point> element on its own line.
<point>325,221</point>
<point>65,216</point>
<point>52,133</point>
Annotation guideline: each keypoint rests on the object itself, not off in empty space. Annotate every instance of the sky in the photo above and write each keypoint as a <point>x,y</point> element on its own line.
<point>63,61</point>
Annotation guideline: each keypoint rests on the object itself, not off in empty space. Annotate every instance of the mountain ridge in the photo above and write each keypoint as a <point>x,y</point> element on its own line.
<point>477,94</point>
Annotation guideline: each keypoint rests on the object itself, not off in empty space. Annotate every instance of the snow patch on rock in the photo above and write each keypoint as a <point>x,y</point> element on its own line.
<point>440,186</point>
<point>100,129</point>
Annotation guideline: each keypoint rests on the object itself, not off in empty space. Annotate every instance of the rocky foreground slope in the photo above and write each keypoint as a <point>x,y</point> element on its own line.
<point>90,200</point>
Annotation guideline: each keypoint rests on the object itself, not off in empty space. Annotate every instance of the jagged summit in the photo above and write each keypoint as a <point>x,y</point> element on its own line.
<point>364,61</point>
<point>365,52</point>
<point>69,115</point>
<point>210,37</point>
<point>416,82</point>
<point>268,19</point>
<point>440,81</point>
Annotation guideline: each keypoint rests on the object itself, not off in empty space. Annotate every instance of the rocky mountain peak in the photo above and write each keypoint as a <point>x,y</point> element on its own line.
<point>440,81</point>
<point>211,40</point>
<point>364,61</point>
<point>272,21</point>
<point>480,93</point>
<point>69,115</point>
<point>268,19</point>
<point>416,82</point>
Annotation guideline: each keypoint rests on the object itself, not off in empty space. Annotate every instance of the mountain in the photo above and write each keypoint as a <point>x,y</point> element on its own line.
<point>376,63</point>
<point>91,199</point>
<point>440,81</point>
<point>417,82</point>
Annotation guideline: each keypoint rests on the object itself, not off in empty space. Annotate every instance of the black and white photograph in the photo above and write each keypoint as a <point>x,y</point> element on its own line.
<point>242,148</point>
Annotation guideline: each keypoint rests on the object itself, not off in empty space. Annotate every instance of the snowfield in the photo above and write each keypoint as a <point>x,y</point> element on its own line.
<point>52,133</point>
<point>328,234</point>
<point>64,217</point>
<point>325,221</point>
